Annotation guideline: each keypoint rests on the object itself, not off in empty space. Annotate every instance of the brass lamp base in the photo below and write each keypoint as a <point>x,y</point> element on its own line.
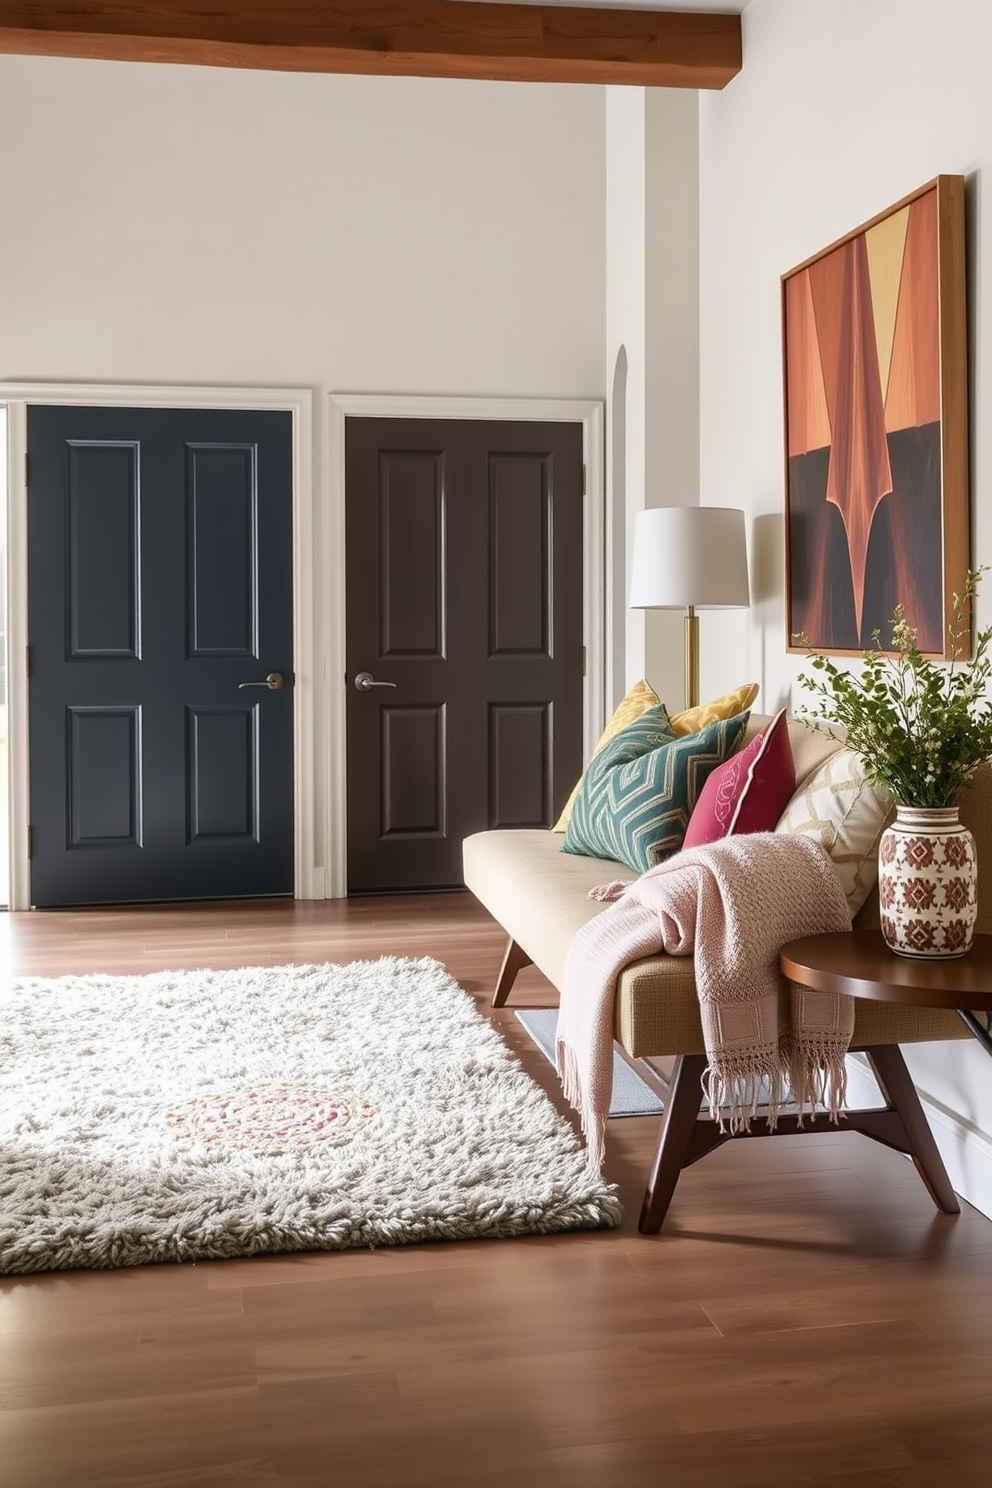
<point>691,658</point>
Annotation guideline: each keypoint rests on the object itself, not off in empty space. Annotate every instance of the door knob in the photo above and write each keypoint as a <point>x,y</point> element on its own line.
<point>365,680</point>
<point>273,682</point>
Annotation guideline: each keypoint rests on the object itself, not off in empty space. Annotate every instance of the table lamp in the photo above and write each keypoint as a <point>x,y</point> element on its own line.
<point>689,557</point>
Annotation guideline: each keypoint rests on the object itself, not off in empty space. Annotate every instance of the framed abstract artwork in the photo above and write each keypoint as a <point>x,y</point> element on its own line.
<point>876,428</point>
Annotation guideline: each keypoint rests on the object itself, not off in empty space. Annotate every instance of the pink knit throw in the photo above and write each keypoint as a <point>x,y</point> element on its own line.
<point>731,904</point>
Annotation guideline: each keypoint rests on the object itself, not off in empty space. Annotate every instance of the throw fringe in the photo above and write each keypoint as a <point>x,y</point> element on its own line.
<point>817,1070</point>
<point>815,1075</point>
<point>593,1123</point>
<point>735,1087</point>
<point>613,890</point>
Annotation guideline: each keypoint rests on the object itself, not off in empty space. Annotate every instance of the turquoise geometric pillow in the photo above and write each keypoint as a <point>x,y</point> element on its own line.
<point>645,734</point>
<point>635,802</point>
<point>652,728</point>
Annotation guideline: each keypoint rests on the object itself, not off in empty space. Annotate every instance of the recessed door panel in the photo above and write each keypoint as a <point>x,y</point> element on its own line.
<point>104,777</point>
<point>413,771</point>
<point>222,772</point>
<point>411,554</point>
<point>520,764</point>
<point>222,577</point>
<point>519,555</point>
<point>101,580</point>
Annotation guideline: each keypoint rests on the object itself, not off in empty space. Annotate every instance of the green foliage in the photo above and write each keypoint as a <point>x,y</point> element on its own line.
<point>920,726</point>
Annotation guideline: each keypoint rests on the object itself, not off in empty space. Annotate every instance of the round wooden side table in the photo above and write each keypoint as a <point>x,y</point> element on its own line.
<point>860,964</point>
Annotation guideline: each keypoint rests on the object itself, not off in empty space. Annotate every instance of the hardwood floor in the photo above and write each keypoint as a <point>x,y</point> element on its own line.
<point>806,1317</point>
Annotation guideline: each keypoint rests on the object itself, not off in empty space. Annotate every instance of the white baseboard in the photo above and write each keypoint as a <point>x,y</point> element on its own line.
<point>967,1152</point>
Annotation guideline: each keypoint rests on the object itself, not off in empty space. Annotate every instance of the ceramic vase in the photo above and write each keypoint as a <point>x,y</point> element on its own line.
<point>927,881</point>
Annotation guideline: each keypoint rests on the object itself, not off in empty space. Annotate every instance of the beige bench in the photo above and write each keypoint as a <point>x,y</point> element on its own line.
<point>540,896</point>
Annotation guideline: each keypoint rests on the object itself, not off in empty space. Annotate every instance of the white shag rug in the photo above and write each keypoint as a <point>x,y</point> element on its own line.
<point>209,1114</point>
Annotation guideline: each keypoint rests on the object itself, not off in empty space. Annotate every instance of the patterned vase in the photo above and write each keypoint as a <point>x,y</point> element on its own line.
<point>927,880</point>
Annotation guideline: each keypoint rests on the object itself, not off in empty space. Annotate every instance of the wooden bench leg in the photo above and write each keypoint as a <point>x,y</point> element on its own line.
<point>686,1135</point>
<point>681,1140</point>
<point>898,1089</point>
<point>515,958</point>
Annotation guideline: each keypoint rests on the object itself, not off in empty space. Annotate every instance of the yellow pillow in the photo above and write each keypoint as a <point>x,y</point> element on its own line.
<point>641,697</point>
<point>727,706</point>
<point>638,700</point>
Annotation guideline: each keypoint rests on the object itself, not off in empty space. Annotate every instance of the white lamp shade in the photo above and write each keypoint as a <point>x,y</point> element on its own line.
<point>689,555</point>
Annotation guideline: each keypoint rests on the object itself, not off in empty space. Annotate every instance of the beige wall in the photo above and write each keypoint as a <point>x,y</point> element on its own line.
<point>365,234</point>
<point>626,208</point>
<point>672,350</point>
<point>842,108</point>
<point>652,320</point>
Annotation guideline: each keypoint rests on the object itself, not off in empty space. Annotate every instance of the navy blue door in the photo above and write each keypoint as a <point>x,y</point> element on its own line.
<point>159,581</point>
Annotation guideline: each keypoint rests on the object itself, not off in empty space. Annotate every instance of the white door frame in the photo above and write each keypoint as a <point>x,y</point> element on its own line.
<point>308,881</point>
<point>596,621</point>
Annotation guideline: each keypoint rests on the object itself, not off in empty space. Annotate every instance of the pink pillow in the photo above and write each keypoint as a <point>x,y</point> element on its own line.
<point>749,792</point>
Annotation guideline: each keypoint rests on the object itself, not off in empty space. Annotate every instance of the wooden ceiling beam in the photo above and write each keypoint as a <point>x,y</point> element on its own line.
<point>422,38</point>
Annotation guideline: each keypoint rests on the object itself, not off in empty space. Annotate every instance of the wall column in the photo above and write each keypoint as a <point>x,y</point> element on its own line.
<point>652,350</point>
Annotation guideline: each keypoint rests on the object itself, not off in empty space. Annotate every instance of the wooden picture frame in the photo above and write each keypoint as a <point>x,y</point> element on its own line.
<point>874,346</point>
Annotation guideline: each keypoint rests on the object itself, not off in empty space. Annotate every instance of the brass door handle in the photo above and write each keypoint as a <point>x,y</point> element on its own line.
<point>273,682</point>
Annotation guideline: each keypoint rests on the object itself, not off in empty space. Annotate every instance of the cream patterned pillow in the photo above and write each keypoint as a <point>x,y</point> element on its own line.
<point>845,813</point>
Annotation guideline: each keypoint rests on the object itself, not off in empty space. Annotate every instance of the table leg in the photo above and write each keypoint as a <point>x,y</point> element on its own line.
<point>895,1083</point>
<point>977,1027</point>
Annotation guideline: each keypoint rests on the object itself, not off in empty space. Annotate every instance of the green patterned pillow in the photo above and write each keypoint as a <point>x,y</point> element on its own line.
<point>648,732</point>
<point>636,797</point>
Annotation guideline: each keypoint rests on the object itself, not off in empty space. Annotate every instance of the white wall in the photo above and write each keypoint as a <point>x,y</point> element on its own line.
<point>652,320</point>
<point>626,294</point>
<point>672,347</point>
<point>370,234</point>
<point>842,108</point>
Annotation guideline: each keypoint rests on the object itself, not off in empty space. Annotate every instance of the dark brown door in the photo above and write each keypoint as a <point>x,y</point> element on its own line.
<point>464,650</point>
